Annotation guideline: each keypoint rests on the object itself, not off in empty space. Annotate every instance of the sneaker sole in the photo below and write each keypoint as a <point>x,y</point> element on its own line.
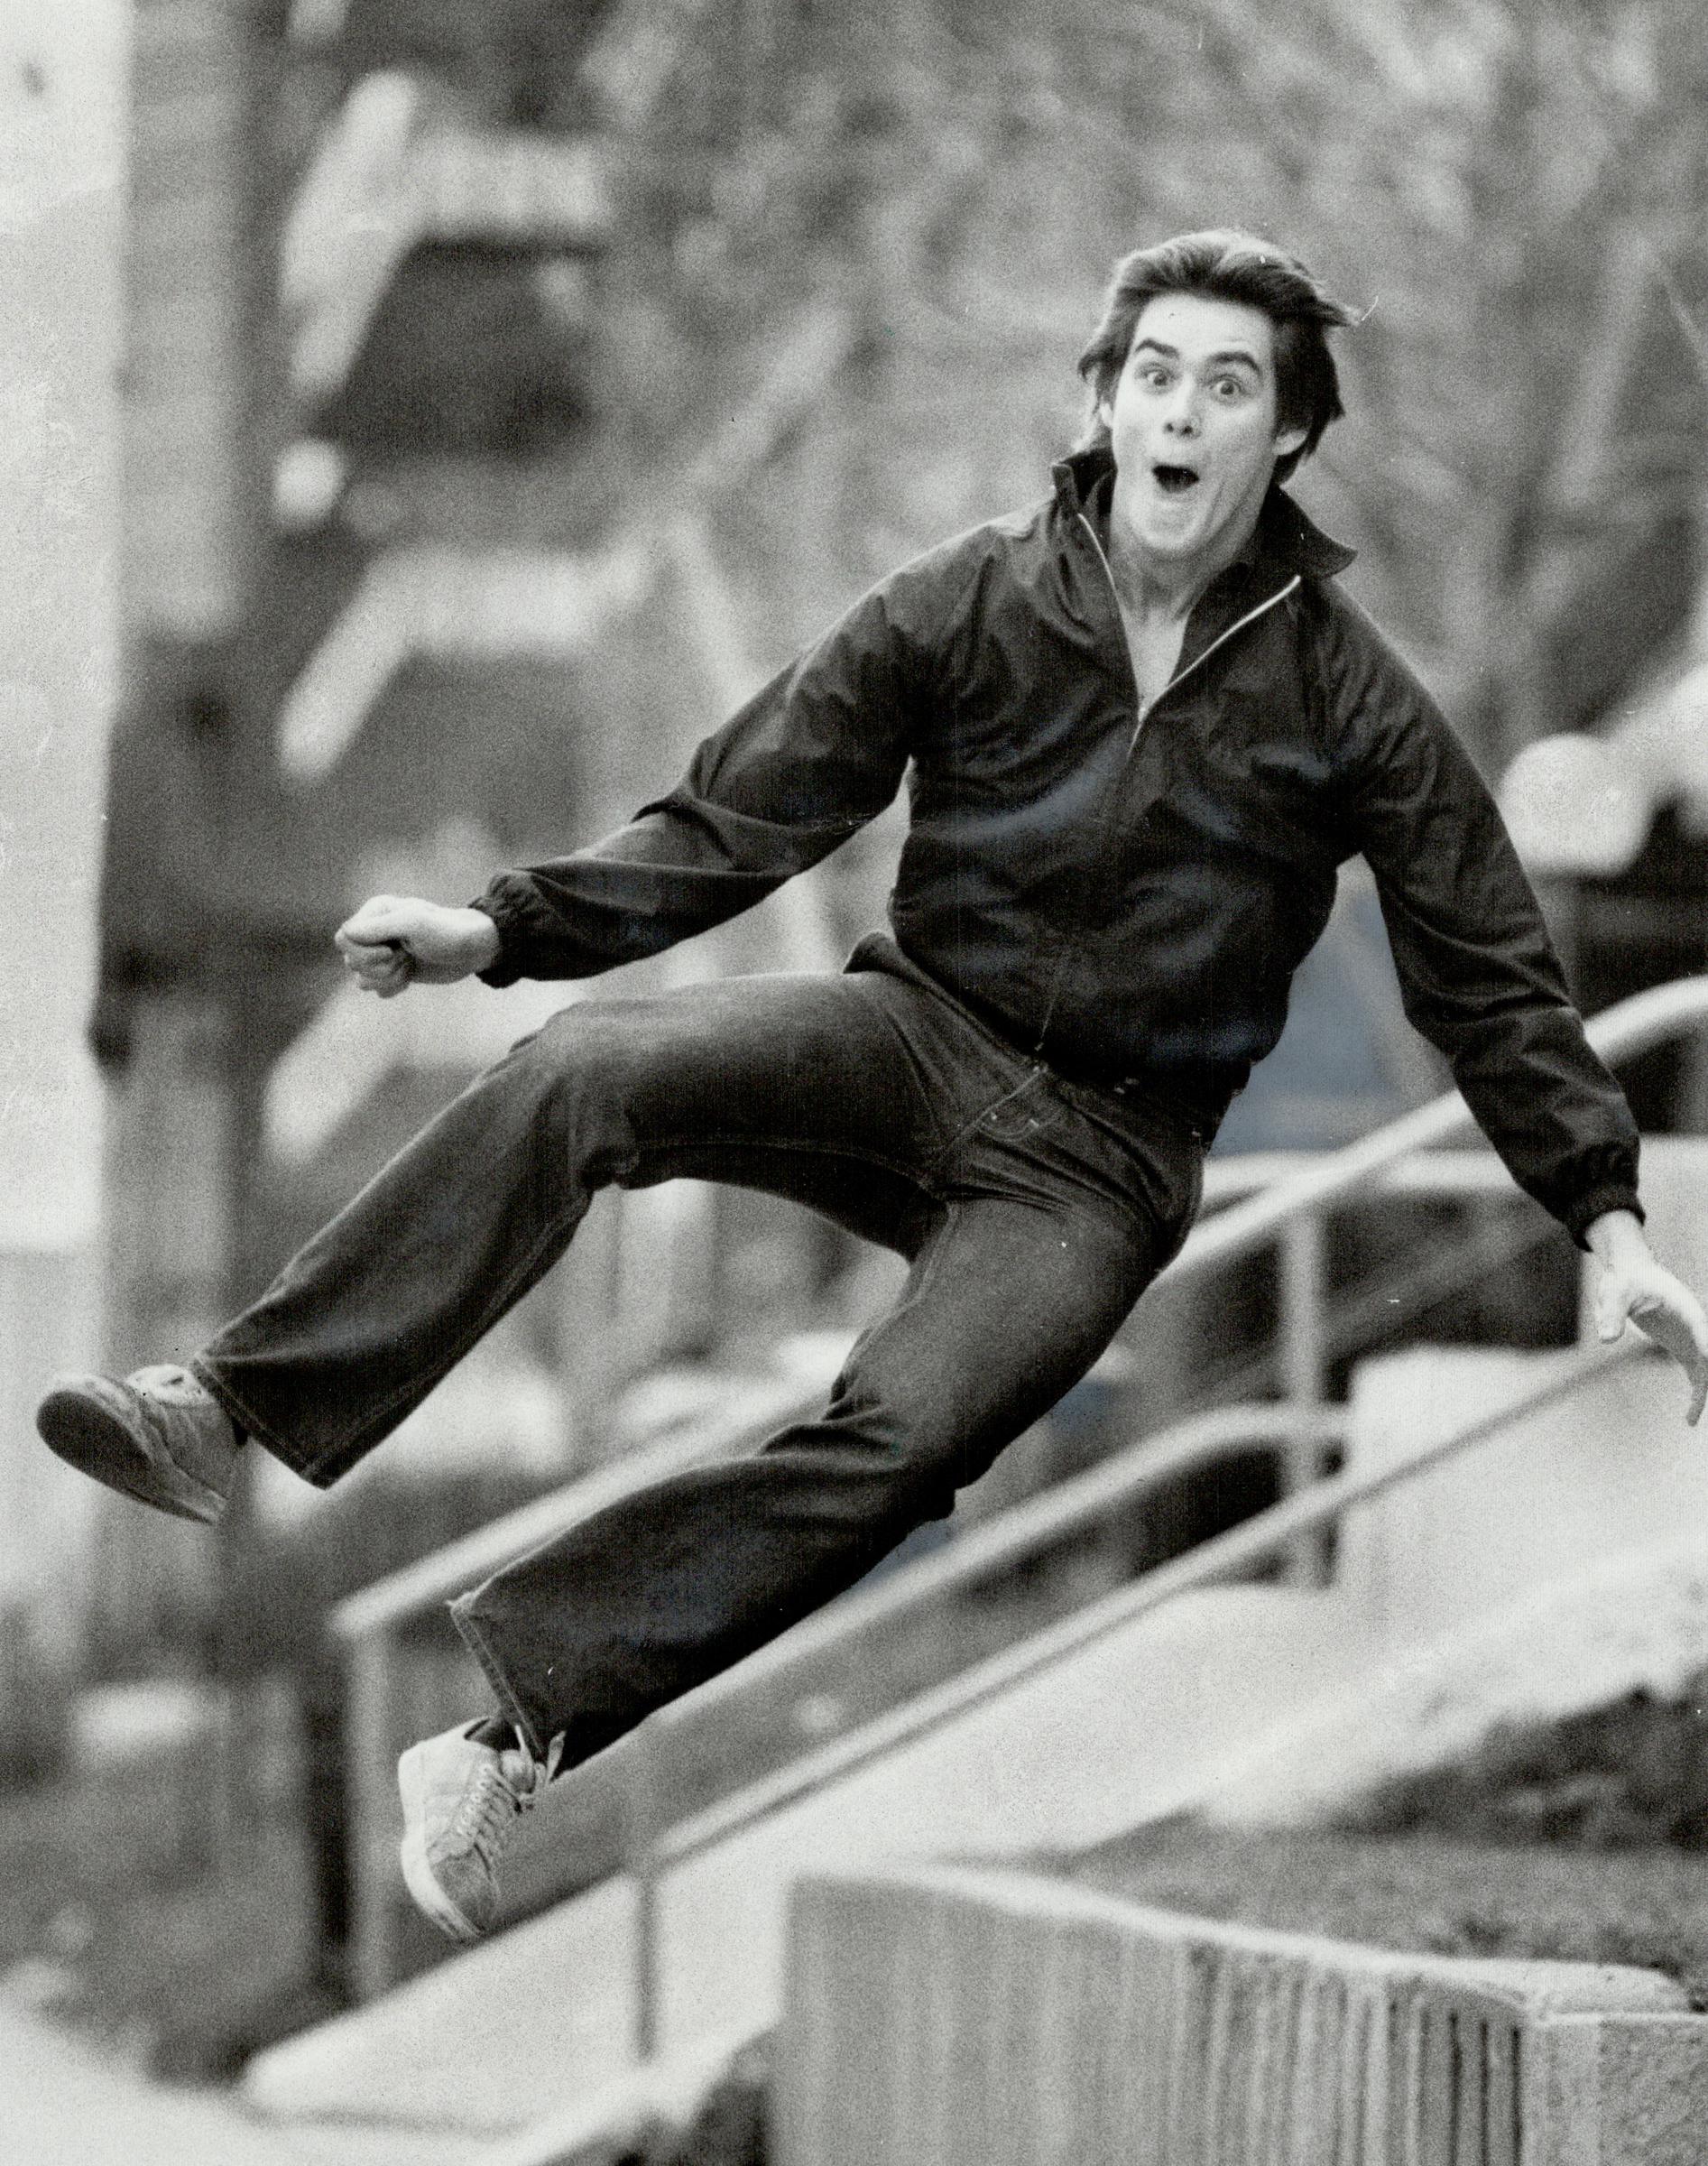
<point>95,1438</point>
<point>425,1891</point>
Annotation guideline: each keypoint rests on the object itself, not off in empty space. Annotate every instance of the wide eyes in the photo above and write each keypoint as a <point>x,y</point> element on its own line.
<point>1227,390</point>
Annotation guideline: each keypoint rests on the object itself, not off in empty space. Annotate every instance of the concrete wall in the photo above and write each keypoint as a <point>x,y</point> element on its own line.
<point>961,2019</point>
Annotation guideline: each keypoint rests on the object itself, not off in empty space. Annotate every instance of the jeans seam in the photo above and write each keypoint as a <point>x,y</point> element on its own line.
<point>475,1639</point>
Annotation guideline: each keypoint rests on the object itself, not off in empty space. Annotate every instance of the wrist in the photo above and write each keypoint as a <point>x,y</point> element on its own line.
<point>1616,1237</point>
<point>479,936</point>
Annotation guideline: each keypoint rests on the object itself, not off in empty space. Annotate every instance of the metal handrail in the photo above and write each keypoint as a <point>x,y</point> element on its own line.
<point>1266,1535</point>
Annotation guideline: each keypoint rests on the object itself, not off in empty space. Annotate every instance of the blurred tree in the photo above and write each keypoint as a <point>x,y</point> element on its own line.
<point>1514,189</point>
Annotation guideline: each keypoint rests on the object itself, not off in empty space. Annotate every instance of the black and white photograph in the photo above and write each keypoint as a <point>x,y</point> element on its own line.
<point>853,1083</point>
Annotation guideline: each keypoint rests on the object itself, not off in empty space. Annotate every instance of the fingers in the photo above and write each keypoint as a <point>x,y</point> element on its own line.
<point>1665,1309</point>
<point>1686,1340</point>
<point>382,921</point>
<point>386,970</point>
<point>1613,1299</point>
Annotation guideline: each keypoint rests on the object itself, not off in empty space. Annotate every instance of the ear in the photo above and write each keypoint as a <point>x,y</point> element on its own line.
<point>1289,439</point>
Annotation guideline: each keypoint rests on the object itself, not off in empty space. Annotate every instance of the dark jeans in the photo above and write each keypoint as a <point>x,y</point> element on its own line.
<point>1033,1210</point>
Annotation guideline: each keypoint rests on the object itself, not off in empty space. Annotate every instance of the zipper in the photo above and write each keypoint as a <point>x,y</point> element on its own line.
<point>1140,714</point>
<point>1222,638</point>
<point>1120,621</point>
<point>1180,676</point>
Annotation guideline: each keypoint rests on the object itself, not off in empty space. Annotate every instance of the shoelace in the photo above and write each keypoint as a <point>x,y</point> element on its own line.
<point>492,1801</point>
<point>488,1806</point>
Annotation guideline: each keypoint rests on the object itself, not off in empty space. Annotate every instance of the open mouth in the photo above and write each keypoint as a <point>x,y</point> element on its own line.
<point>1175,481</point>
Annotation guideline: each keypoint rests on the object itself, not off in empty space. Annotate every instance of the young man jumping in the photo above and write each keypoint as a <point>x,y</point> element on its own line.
<point>1141,727</point>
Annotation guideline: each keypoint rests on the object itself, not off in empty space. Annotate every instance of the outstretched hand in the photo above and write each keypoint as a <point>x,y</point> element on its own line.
<point>1635,1288</point>
<point>396,941</point>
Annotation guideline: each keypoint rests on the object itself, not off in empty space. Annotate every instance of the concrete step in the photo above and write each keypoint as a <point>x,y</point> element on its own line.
<point>536,2018</point>
<point>64,2098</point>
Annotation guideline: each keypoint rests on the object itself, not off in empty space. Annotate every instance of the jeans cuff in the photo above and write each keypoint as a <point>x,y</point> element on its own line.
<point>253,1428</point>
<point>475,1641</point>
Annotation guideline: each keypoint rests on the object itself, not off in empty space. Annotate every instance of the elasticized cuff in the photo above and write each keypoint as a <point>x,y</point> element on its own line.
<point>1583,1210</point>
<point>502,970</point>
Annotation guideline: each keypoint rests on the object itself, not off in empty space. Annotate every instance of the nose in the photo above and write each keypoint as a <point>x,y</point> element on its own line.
<point>1182,416</point>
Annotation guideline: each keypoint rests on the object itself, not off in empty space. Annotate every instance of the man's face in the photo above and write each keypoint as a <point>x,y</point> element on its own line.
<point>1192,423</point>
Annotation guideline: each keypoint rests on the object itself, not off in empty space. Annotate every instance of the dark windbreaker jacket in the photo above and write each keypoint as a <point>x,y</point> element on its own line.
<point>1126,899</point>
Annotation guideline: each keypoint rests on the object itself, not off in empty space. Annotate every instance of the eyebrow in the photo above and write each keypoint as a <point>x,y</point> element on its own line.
<point>1172,353</point>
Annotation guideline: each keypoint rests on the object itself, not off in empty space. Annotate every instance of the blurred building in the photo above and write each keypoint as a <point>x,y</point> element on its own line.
<point>426,570</point>
<point>61,135</point>
<point>1615,819</point>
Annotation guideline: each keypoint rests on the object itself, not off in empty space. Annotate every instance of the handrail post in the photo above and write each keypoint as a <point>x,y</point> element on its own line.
<point>1304,1350</point>
<point>369,1741</point>
<point>642,1830</point>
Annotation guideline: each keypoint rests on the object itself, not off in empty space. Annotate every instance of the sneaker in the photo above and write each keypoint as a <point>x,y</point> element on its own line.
<point>461,1803</point>
<point>160,1436</point>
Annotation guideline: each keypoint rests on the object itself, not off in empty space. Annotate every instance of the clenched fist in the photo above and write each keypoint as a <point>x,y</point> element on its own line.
<point>396,941</point>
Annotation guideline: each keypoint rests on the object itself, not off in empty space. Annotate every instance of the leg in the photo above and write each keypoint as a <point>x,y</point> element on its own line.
<point>1008,1303</point>
<point>726,1080</point>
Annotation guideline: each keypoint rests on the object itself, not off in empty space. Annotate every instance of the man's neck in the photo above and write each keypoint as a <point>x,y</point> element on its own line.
<point>1167,589</point>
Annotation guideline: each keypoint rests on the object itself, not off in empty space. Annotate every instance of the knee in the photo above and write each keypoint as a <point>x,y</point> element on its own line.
<point>576,1049</point>
<point>577,1070</point>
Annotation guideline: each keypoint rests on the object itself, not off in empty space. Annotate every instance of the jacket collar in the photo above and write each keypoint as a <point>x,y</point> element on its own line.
<point>1283,539</point>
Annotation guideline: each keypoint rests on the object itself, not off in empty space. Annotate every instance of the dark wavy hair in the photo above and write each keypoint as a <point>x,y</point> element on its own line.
<point>1227,265</point>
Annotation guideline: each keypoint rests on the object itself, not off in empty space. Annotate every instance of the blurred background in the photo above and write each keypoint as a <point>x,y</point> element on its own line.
<point>421,421</point>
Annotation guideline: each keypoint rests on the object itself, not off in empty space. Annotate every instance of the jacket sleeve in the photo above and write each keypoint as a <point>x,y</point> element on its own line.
<point>814,754</point>
<point>1477,969</point>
